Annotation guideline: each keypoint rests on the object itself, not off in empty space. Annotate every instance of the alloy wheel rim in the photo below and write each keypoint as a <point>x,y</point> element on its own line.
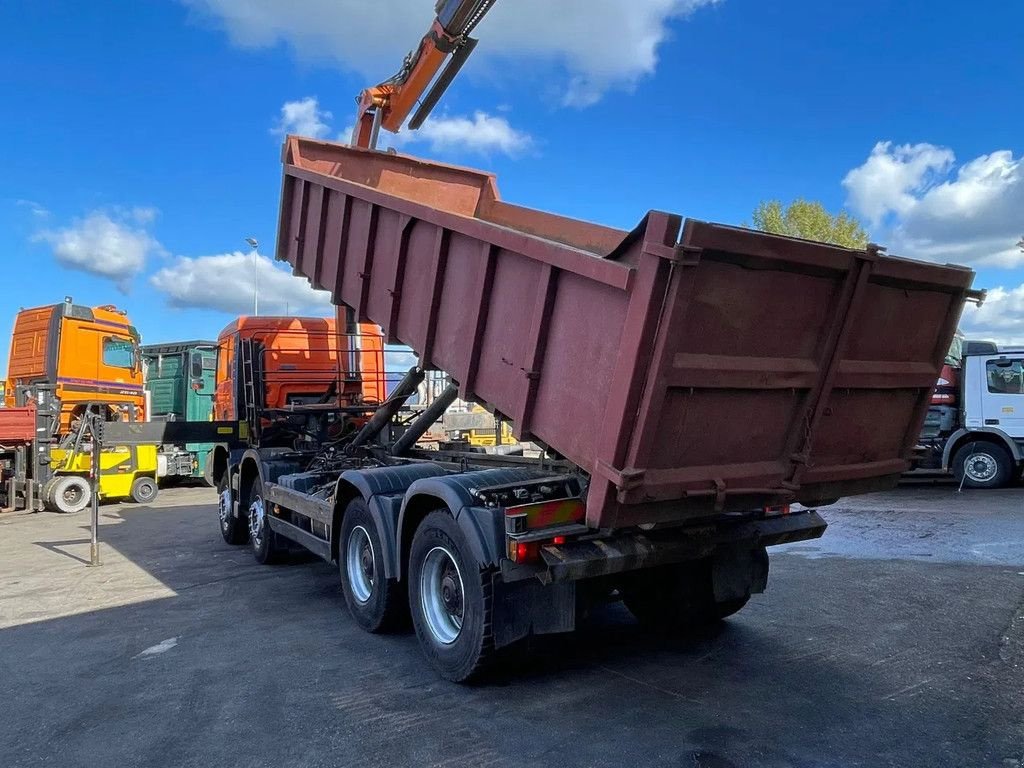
<point>224,508</point>
<point>442,595</point>
<point>981,467</point>
<point>256,522</point>
<point>360,564</point>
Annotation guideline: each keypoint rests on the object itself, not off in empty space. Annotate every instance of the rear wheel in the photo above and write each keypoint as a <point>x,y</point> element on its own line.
<point>450,600</point>
<point>678,596</point>
<point>234,530</point>
<point>377,603</point>
<point>208,471</point>
<point>266,546</point>
<point>981,464</point>
<point>144,490</point>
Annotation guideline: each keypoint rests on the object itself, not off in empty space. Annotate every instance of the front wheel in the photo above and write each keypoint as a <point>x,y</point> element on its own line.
<point>377,603</point>
<point>450,600</point>
<point>144,490</point>
<point>982,464</point>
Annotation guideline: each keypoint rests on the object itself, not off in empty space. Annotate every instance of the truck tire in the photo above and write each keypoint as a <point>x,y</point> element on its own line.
<point>69,494</point>
<point>450,600</point>
<point>377,603</point>
<point>266,547</point>
<point>982,464</point>
<point>677,597</point>
<point>144,490</point>
<point>234,530</point>
<point>208,471</point>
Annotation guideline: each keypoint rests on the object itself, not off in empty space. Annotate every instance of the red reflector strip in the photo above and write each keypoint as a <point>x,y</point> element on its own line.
<point>550,512</point>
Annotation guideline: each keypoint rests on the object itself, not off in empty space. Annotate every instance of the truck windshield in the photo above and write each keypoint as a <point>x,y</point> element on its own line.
<point>118,353</point>
<point>1005,377</point>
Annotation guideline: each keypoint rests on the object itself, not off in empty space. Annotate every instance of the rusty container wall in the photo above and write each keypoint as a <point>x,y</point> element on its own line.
<point>17,426</point>
<point>686,367</point>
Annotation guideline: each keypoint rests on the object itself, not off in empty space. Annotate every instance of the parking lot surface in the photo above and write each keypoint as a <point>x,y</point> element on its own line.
<point>896,640</point>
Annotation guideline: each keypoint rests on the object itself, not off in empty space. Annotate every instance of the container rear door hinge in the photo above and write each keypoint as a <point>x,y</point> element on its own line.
<point>687,255</point>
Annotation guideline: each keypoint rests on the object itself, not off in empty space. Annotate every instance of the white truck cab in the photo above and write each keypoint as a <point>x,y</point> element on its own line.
<point>987,450</point>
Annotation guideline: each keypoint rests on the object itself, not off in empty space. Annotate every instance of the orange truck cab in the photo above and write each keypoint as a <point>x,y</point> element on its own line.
<point>280,362</point>
<point>85,354</point>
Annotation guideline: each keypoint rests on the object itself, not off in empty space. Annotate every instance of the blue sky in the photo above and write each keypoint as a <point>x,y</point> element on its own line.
<point>139,143</point>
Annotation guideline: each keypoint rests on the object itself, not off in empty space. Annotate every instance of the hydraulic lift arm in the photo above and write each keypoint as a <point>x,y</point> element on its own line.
<point>446,45</point>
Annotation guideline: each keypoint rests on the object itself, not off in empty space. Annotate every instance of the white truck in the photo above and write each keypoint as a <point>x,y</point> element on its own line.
<point>979,437</point>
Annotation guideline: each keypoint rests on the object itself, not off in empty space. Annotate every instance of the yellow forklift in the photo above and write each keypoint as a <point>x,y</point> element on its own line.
<point>40,470</point>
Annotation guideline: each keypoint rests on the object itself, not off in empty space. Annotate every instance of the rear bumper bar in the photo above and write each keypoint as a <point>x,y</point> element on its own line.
<point>599,557</point>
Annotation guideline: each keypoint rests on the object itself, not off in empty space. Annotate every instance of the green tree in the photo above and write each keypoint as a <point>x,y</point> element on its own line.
<point>810,220</point>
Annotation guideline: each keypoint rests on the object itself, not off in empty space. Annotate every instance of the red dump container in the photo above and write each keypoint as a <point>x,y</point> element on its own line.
<point>685,366</point>
<point>17,426</point>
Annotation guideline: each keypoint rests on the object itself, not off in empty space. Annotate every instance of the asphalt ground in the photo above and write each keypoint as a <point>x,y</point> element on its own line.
<point>896,640</point>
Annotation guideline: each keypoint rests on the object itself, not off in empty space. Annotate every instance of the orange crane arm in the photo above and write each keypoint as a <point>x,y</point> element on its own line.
<point>388,104</point>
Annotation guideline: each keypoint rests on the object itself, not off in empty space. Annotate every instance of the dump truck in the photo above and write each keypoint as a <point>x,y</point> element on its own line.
<point>180,381</point>
<point>86,354</point>
<point>697,390</point>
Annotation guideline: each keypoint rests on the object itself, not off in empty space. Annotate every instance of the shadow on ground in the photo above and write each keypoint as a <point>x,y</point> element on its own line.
<point>842,663</point>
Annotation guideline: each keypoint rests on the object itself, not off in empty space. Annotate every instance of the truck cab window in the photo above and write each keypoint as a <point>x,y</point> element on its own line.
<point>118,353</point>
<point>1005,377</point>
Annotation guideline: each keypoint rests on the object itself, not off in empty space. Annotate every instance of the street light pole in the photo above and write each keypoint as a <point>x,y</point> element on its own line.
<point>254,244</point>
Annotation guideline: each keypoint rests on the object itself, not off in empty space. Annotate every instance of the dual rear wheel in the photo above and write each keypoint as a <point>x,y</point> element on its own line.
<point>449,597</point>
<point>446,594</point>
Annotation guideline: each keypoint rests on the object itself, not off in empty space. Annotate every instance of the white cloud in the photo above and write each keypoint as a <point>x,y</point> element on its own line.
<point>1000,318</point>
<point>113,244</point>
<point>226,282</point>
<point>37,209</point>
<point>920,207</point>
<point>143,214</point>
<point>303,117</point>
<point>480,134</point>
<point>892,176</point>
<point>599,44</point>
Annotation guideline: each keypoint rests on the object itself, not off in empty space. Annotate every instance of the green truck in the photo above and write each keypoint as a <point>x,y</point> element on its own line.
<point>180,381</point>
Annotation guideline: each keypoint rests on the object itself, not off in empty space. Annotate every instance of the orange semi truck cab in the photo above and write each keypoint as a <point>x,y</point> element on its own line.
<point>281,362</point>
<point>87,354</point>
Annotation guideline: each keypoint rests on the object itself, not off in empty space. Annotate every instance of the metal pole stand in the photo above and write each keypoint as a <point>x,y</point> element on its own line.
<point>94,482</point>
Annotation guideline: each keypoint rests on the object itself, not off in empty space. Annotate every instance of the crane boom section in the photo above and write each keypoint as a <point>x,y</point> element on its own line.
<point>390,103</point>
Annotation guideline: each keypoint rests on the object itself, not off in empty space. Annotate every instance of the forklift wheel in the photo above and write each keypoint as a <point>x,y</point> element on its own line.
<point>144,490</point>
<point>69,494</point>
